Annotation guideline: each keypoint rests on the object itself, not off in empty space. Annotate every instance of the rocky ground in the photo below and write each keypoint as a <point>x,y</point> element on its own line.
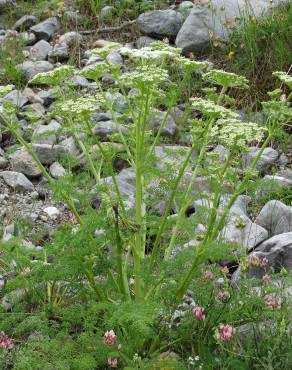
<point>25,194</point>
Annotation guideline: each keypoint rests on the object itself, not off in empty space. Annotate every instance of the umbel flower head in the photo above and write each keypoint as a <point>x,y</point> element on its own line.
<point>226,79</point>
<point>145,75</point>
<point>4,90</point>
<point>235,133</point>
<point>55,77</point>
<point>95,72</point>
<point>147,53</point>
<point>104,51</point>
<point>284,77</point>
<point>211,109</point>
<point>80,106</point>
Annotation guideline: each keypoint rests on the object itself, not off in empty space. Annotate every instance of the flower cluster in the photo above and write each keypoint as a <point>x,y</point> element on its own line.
<point>272,302</point>
<point>226,79</point>
<point>257,262</point>
<point>5,341</point>
<point>266,279</point>
<point>211,109</point>
<point>95,72</point>
<point>104,51</point>
<point>109,338</point>
<point>147,53</point>
<point>199,313</point>
<point>284,77</point>
<point>207,275</point>
<point>234,133</point>
<point>223,296</point>
<point>83,105</point>
<point>4,90</point>
<point>112,362</point>
<point>148,75</point>
<point>224,333</point>
<point>55,77</point>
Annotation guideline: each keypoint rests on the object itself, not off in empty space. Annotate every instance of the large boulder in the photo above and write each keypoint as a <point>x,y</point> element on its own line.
<point>214,19</point>
<point>160,23</point>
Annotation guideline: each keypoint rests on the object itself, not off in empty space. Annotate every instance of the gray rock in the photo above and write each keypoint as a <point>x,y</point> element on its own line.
<point>21,161</point>
<point>157,119</point>
<point>144,41</point>
<point>31,96</point>
<point>276,217</point>
<point>267,159</point>
<point>57,170</point>
<point>283,160</point>
<point>46,134</point>
<point>3,163</point>
<point>222,153</point>
<point>71,39</point>
<point>40,50</point>
<point>118,101</point>
<point>16,97</point>
<point>114,58</point>
<point>160,23</point>
<point>30,68</point>
<point>104,129</point>
<point>48,96</point>
<point>185,8</point>
<point>280,181</point>
<point>28,38</point>
<point>17,181</point>
<point>209,21</point>
<point>80,81</point>
<point>46,29</point>
<point>25,22</point>
<point>107,12</point>
<point>60,53</point>
<point>287,174</point>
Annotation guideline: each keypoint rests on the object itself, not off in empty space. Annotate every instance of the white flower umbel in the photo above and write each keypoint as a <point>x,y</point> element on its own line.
<point>104,52</point>
<point>95,72</point>
<point>235,133</point>
<point>284,77</point>
<point>226,79</point>
<point>80,106</point>
<point>191,65</point>
<point>4,90</point>
<point>149,75</point>
<point>55,77</point>
<point>147,53</point>
<point>211,109</point>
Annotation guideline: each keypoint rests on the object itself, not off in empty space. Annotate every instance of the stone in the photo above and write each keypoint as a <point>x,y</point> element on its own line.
<point>144,41</point>
<point>222,153</point>
<point>160,23</point>
<point>30,68</point>
<point>52,212</point>
<point>114,58</point>
<point>24,23</point>
<point>17,181</point>
<point>57,170</point>
<point>28,38</point>
<point>21,161</point>
<point>185,8</point>
<point>157,118</point>
<point>107,12</point>
<point>80,81</point>
<point>48,96</point>
<point>267,159</point>
<point>214,19</point>
<point>49,154</point>
<point>283,160</point>
<point>276,217</point>
<point>16,97</point>
<point>60,53</point>
<point>46,29</point>
<point>46,134</point>
<point>104,129</point>
<point>280,181</point>
<point>40,51</point>
<point>31,96</point>
<point>71,39</point>
<point>118,101</point>
<point>3,163</point>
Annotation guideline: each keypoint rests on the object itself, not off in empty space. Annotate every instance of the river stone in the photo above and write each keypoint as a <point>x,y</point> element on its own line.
<point>17,181</point>
<point>267,159</point>
<point>40,50</point>
<point>24,23</point>
<point>57,170</point>
<point>104,129</point>
<point>215,19</point>
<point>30,68</point>
<point>160,23</point>
<point>60,53</point>
<point>46,134</point>
<point>46,29</point>
<point>276,217</point>
<point>16,97</point>
<point>21,161</point>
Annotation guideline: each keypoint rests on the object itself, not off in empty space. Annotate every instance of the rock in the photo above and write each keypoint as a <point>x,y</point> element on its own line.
<point>283,160</point>
<point>52,212</point>
<point>46,134</point>
<point>21,161</point>
<point>267,159</point>
<point>3,163</point>
<point>160,23</point>
<point>31,96</point>
<point>71,39</point>
<point>48,96</point>
<point>287,174</point>
<point>46,29</point>
<point>222,152</point>
<point>278,253</point>
<point>16,97</point>
<point>104,129</point>
<point>276,217</point>
<point>114,58</point>
<point>279,180</point>
<point>80,81</point>
<point>24,23</point>
<point>144,41</point>
<point>12,298</point>
<point>72,16</point>
<point>17,181</point>
<point>60,53</point>
<point>118,101</point>
<point>28,38</point>
<point>214,20</point>
<point>107,12</point>
<point>57,170</point>
<point>30,68</point>
<point>40,50</point>
<point>185,8</point>
<point>157,118</point>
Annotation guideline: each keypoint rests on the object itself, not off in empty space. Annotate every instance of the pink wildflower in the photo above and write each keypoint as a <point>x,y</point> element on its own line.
<point>225,333</point>
<point>223,296</point>
<point>112,362</point>
<point>109,338</point>
<point>199,313</point>
<point>256,261</point>
<point>266,279</point>
<point>272,301</point>
<point>5,341</point>
<point>208,275</point>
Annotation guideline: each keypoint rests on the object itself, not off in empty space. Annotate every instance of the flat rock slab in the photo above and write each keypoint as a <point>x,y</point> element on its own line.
<point>215,19</point>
